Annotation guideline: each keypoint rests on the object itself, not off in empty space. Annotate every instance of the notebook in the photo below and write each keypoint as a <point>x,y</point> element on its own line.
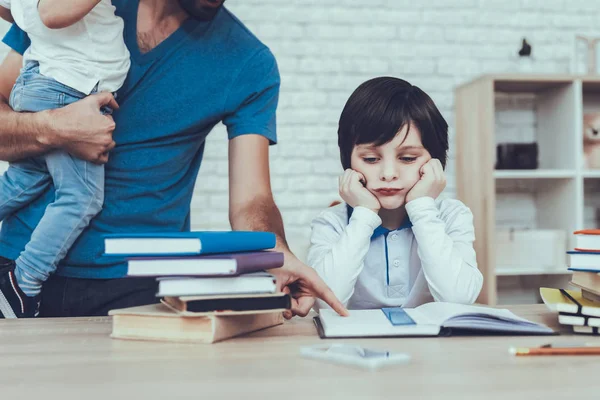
<point>569,301</point>
<point>431,319</point>
<point>586,330</point>
<point>221,264</point>
<point>572,308</point>
<point>259,282</point>
<point>186,243</point>
<point>229,304</point>
<point>587,240</point>
<point>158,322</point>
<point>577,320</point>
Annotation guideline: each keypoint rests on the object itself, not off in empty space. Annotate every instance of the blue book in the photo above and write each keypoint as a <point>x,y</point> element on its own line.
<point>584,261</point>
<point>186,243</point>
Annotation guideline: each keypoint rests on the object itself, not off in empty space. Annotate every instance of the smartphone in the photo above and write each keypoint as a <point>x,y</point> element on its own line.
<point>356,356</point>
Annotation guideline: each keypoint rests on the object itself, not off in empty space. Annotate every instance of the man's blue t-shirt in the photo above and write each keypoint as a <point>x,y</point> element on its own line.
<point>204,73</point>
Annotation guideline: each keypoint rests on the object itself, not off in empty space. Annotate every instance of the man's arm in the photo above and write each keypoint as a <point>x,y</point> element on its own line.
<point>251,207</point>
<point>79,128</point>
<point>57,14</point>
<point>250,188</point>
<point>6,15</point>
<point>21,135</point>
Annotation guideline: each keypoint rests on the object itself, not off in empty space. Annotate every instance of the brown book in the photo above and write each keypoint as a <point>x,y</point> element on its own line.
<point>158,322</point>
<point>590,281</point>
<point>586,294</point>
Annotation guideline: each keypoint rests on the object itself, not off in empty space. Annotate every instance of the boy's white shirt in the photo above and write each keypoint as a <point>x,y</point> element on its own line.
<point>432,260</point>
<point>88,53</point>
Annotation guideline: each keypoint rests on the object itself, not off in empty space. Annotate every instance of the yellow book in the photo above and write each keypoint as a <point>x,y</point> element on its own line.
<point>570,302</point>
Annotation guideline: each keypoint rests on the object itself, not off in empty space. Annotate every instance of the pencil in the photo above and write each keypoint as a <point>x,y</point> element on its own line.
<point>549,351</point>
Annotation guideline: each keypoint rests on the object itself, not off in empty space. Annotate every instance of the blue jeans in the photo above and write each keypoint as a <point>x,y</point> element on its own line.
<point>79,185</point>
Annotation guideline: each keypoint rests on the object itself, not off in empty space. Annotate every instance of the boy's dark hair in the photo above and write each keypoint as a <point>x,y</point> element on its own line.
<point>380,107</point>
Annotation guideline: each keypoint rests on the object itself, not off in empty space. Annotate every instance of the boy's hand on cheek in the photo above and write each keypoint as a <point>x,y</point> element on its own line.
<point>432,182</point>
<point>354,192</point>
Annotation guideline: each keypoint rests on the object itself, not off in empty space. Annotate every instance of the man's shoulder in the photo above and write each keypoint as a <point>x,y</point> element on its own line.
<point>238,31</point>
<point>240,42</point>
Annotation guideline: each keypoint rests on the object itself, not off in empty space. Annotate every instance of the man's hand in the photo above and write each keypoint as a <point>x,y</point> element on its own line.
<point>6,15</point>
<point>81,130</point>
<point>432,182</point>
<point>303,284</point>
<point>354,192</point>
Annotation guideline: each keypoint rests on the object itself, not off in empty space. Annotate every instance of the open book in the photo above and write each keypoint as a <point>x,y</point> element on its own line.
<point>430,319</point>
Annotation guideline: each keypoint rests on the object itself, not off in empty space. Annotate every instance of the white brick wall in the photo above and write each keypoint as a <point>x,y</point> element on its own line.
<point>326,48</point>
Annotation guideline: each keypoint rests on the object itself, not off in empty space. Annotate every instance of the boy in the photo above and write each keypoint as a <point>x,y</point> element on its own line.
<point>392,243</point>
<point>77,49</point>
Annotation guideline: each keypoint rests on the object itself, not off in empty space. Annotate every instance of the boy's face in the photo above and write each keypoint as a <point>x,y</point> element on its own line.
<point>393,168</point>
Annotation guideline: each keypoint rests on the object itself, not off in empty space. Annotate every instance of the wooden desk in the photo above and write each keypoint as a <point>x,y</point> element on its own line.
<point>40,359</point>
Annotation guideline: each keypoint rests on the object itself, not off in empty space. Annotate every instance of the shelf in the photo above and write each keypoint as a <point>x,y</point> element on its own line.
<point>524,108</point>
<point>535,174</point>
<point>529,83</point>
<point>591,174</point>
<point>522,270</point>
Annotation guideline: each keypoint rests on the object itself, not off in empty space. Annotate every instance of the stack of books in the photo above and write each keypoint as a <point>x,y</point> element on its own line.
<point>211,285</point>
<point>580,308</point>
<point>573,309</point>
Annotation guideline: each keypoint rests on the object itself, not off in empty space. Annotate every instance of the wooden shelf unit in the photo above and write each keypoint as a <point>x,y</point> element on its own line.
<point>561,182</point>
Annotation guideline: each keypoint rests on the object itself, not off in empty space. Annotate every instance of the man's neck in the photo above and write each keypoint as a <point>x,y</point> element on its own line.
<point>160,11</point>
<point>392,219</point>
<point>156,21</point>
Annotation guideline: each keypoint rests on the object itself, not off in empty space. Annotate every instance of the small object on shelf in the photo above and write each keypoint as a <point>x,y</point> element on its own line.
<point>586,53</point>
<point>591,140</point>
<point>525,49</point>
<point>517,156</point>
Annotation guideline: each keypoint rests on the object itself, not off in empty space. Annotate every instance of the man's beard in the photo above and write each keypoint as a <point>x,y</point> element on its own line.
<point>201,10</point>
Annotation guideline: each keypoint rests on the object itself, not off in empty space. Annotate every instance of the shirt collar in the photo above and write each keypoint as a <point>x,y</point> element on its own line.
<point>380,230</point>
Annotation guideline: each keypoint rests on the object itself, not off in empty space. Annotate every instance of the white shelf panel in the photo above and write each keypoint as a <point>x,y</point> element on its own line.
<point>528,270</point>
<point>591,174</point>
<point>535,174</point>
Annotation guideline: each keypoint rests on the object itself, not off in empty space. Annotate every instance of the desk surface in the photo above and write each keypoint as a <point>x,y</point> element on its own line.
<point>76,358</point>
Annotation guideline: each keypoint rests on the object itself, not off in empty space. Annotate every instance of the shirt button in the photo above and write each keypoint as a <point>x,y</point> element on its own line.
<point>396,263</point>
<point>394,237</point>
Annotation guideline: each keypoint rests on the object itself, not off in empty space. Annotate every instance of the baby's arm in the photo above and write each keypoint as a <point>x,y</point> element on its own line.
<point>57,14</point>
<point>337,253</point>
<point>5,13</point>
<point>445,247</point>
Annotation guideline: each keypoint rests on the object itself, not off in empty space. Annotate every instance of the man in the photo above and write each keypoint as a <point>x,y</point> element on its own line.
<point>193,64</point>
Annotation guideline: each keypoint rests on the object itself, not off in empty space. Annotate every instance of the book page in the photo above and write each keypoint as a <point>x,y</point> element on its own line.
<point>439,312</point>
<point>369,323</point>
